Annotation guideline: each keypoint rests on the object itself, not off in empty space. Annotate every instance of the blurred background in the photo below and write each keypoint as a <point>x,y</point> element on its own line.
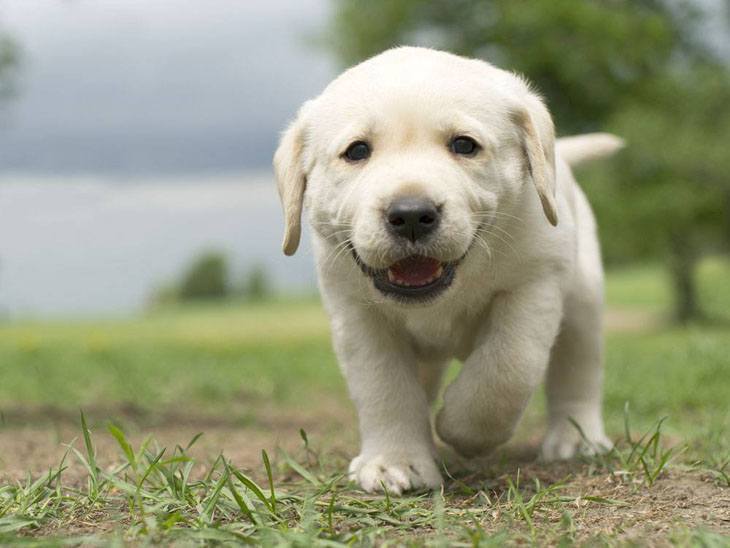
<point>140,262</point>
<point>136,136</point>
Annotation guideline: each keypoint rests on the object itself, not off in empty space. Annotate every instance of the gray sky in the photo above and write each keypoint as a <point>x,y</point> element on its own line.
<point>131,87</point>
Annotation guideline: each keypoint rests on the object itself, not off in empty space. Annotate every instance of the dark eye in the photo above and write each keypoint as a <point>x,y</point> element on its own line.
<point>357,151</point>
<point>466,146</point>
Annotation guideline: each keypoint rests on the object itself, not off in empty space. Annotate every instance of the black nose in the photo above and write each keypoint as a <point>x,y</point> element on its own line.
<point>412,218</point>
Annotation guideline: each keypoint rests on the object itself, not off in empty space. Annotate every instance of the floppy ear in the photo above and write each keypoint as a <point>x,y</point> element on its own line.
<point>290,181</point>
<point>538,142</point>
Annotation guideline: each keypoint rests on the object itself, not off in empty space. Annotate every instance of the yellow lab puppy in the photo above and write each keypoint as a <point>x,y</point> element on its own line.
<point>447,225</point>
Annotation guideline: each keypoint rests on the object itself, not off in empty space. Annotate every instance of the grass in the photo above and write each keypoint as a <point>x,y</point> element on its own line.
<point>190,354</point>
<point>250,377</point>
<point>160,496</point>
<point>647,288</point>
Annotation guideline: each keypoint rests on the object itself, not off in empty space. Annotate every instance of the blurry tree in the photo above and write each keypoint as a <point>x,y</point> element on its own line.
<point>636,67</point>
<point>207,278</point>
<point>256,285</point>
<point>585,57</point>
<point>9,62</point>
<point>162,296</point>
<point>674,178</point>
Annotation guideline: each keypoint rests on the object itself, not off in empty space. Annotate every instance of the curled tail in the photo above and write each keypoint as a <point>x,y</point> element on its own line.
<point>580,149</point>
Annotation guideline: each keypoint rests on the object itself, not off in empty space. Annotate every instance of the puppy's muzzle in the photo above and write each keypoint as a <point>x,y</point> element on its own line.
<point>412,218</point>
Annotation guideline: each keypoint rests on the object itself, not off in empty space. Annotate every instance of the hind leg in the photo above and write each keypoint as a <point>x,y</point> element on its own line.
<point>574,381</point>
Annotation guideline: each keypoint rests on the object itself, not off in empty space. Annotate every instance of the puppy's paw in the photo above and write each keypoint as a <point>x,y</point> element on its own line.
<point>564,441</point>
<point>398,473</point>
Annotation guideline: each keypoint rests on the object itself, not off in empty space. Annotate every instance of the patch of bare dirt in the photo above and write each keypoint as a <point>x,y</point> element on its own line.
<point>678,500</point>
<point>623,507</point>
<point>27,447</point>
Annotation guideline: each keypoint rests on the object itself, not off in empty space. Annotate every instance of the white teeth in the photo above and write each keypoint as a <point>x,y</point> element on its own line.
<point>392,278</point>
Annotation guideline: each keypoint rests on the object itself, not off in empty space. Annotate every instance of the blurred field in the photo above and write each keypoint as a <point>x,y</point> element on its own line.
<point>251,375</point>
<point>207,357</point>
<point>232,358</point>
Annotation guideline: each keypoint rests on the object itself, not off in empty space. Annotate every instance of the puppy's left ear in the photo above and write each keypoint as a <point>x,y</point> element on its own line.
<point>291,180</point>
<point>538,141</point>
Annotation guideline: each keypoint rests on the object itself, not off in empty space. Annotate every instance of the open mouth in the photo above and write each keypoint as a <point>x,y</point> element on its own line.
<point>413,278</point>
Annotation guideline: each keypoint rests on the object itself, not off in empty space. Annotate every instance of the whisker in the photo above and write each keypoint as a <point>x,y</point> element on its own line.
<point>501,239</point>
<point>332,255</point>
<point>484,213</point>
<point>508,215</point>
<point>331,223</point>
<point>338,232</point>
<point>340,253</point>
<point>503,231</point>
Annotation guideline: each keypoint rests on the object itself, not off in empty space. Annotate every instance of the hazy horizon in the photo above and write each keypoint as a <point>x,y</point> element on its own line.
<point>92,247</point>
<point>142,134</point>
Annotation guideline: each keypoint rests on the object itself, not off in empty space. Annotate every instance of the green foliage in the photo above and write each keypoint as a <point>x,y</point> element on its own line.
<point>668,194</point>
<point>678,157</point>
<point>207,278</point>
<point>10,57</point>
<point>577,53</point>
<point>256,285</point>
<point>671,182</point>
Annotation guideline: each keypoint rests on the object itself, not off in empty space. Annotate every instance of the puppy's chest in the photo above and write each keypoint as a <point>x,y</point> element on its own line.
<point>442,337</point>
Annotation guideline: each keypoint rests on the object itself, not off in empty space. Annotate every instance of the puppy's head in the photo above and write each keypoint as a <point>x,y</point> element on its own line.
<point>405,158</point>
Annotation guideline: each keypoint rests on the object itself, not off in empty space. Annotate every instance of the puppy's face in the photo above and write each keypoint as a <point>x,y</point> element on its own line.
<point>407,158</point>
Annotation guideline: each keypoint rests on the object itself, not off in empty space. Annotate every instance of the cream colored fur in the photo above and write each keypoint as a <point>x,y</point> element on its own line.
<point>526,301</point>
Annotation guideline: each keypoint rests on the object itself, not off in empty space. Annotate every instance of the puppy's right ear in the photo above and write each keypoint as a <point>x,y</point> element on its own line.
<point>538,140</point>
<point>291,180</point>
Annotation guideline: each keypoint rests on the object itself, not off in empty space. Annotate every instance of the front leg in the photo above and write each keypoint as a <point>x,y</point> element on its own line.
<point>381,370</point>
<point>484,403</point>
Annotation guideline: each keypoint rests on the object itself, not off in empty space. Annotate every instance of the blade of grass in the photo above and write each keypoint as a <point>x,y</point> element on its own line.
<point>253,487</point>
<point>299,469</point>
<point>124,444</point>
<point>245,510</point>
<point>209,507</point>
<point>193,441</point>
<point>270,476</point>
<point>91,455</point>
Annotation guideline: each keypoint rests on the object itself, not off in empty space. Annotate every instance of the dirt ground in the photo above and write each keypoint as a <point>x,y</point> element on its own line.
<point>26,447</point>
<point>679,500</point>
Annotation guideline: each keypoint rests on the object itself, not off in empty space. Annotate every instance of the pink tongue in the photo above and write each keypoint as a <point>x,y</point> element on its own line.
<point>415,270</point>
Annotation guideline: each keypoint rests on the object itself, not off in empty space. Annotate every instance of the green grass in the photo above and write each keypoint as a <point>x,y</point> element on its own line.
<point>681,373</point>
<point>209,357</point>
<point>239,361</point>
<point>648,288</point>
<point>160,498</point>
